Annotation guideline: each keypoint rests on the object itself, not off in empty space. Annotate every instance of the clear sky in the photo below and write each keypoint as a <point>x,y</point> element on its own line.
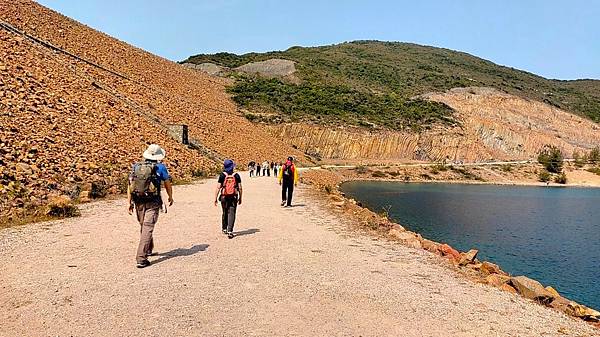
<point>552,38</point>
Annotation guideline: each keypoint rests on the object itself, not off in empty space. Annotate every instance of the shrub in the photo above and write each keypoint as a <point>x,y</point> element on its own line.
<point>99,190</point>
<point>595,170</point>
<point>551,158</point>
<point>594,156</point>
<point>361,169</point>
<point>198,173</point>
<point>394,173</point>
<point>379,174</point>
<point>328,189</point>
<point>544,176</point>
<point>561,178</point>
<point>506,168</point>
<point>61,206</point>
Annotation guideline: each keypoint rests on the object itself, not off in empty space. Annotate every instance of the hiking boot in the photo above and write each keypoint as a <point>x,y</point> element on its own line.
<point>143,264</point>
<point>230,235</point>
<point>283,203</point>
<point>152,254</point>
<point>224,231</point>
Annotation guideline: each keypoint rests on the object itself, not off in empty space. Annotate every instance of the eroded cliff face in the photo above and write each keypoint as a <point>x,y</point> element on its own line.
<point>494,126</point>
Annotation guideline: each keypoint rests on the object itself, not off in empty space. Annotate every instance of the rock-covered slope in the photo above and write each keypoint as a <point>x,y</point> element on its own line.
<point>84,111</point>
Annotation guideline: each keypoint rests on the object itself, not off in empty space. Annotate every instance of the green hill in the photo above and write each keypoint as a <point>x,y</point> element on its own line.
<point>372,82</point>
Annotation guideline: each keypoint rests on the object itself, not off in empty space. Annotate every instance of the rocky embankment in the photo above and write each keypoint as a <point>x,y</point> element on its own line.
<point>77,108</point>
<point>493,126</point>
<point>465,263</point>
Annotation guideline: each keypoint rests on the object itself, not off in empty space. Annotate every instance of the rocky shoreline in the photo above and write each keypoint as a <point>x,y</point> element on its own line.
<point>327,184</point>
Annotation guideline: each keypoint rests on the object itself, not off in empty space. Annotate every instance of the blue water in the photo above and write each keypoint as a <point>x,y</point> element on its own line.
<point>549,234</point>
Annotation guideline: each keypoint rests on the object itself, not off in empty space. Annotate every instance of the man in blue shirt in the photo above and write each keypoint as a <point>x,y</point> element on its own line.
<point>144,195</point>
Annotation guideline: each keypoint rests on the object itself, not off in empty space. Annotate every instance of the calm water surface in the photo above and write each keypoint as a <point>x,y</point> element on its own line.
<point>549,234</point>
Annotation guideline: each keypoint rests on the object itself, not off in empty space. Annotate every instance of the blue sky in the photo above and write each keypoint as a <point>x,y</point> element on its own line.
<point>555,39</point>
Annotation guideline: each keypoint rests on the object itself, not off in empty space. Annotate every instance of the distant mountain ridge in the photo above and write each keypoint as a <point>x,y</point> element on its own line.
<point>376,74</point>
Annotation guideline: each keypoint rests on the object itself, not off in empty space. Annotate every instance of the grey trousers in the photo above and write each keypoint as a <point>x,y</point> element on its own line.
<point>147,215</point>
<point>229,206</point>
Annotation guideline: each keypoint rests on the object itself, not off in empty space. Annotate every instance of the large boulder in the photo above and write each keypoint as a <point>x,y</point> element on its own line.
<point>407,238</point>
<point>531,289</point>
<point>488,268</point>
<point>497,280</point>
<point>430,246</point>
<point>446,250</point>
<point>584,312</point>
<point>468,257</point>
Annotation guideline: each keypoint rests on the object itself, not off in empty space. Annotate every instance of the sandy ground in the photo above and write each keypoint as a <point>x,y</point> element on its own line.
<point>289,272</point>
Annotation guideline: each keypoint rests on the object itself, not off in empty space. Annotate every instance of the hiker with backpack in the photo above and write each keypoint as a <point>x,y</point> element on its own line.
<point>288,178</point>
<point>229,193</point>
<point>143,194</point>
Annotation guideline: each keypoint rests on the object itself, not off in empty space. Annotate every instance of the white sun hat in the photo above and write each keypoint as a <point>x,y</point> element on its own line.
<point>154,152</point>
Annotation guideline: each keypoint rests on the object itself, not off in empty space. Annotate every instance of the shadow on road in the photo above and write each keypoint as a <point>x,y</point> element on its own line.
<point>181,252</point>
<point>247,232</point>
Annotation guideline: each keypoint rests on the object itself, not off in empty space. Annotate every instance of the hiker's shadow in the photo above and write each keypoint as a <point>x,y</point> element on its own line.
<point>247,232</point>
<point>180,252</point>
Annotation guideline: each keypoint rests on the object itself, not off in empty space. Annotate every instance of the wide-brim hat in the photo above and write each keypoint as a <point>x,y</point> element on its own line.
<point>154,152</point>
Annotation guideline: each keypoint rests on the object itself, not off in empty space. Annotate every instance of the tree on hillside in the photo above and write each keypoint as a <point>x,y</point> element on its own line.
<point>594,156</point>
<point>551,158</point>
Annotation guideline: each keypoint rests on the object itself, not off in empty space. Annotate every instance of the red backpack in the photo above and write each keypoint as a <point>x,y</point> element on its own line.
<point>229,186</point>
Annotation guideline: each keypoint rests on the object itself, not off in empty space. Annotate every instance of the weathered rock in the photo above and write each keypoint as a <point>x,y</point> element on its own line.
<point>531,289</point>
<point>269,68</point>
<point>447,250</point>
<point>564,305</point>
<point>430,246</point>
<point>506,287</point>
<point>488,268</point>
<point>584,312</point>
<point>497,280</point>
<point>553,291</point>
<point>407,238</point>
<point>24,169</point>
<point>468,257</point>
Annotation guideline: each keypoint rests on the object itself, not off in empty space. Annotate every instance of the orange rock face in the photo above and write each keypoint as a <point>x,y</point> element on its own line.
<point>65,122</point>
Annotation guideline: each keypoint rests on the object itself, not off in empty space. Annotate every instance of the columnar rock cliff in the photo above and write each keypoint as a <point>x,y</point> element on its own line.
<point>493,126</point>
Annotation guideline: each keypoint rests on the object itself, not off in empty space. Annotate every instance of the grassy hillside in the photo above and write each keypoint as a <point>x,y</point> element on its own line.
<point>371,82</point>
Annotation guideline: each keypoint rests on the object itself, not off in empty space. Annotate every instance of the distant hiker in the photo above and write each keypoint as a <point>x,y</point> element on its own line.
<point>251,168</point>
<point>258,168</point>
<point>288,178</point>
<point>265,167</point>
<point>229,192</point>
<point>275,167</point>
<point>143,193</point>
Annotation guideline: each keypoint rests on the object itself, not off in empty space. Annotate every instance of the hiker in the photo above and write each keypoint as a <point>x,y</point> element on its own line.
<point>288,178</point>
<point>275,168</point>
<point>258,168</point>
<point>251,168</point>
<point>143,194</point>
<point>229,192</point>
<point>265,167</point>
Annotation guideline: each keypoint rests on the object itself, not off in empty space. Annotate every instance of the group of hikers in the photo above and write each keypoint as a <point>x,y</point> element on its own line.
<point>147,176</point>
<point>257,169</point>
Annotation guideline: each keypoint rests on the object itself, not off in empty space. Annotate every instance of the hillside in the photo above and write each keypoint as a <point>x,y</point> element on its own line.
<point>363,78</point>
<point>78,107</point>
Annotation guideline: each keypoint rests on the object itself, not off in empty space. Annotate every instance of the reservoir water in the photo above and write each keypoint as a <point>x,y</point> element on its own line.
<point>549,234</point>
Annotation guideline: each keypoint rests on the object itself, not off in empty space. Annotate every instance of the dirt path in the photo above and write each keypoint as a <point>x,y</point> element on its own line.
<point>289,272</point>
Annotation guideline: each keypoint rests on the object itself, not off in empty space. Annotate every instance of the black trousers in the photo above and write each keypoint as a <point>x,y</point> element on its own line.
<point>229,206</point>
<point>287,190</point>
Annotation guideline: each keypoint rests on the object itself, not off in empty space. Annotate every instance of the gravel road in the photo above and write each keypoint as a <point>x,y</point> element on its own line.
<point>289,272</point>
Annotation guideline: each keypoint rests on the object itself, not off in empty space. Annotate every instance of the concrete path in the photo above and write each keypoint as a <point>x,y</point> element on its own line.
<point>289,272</point>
